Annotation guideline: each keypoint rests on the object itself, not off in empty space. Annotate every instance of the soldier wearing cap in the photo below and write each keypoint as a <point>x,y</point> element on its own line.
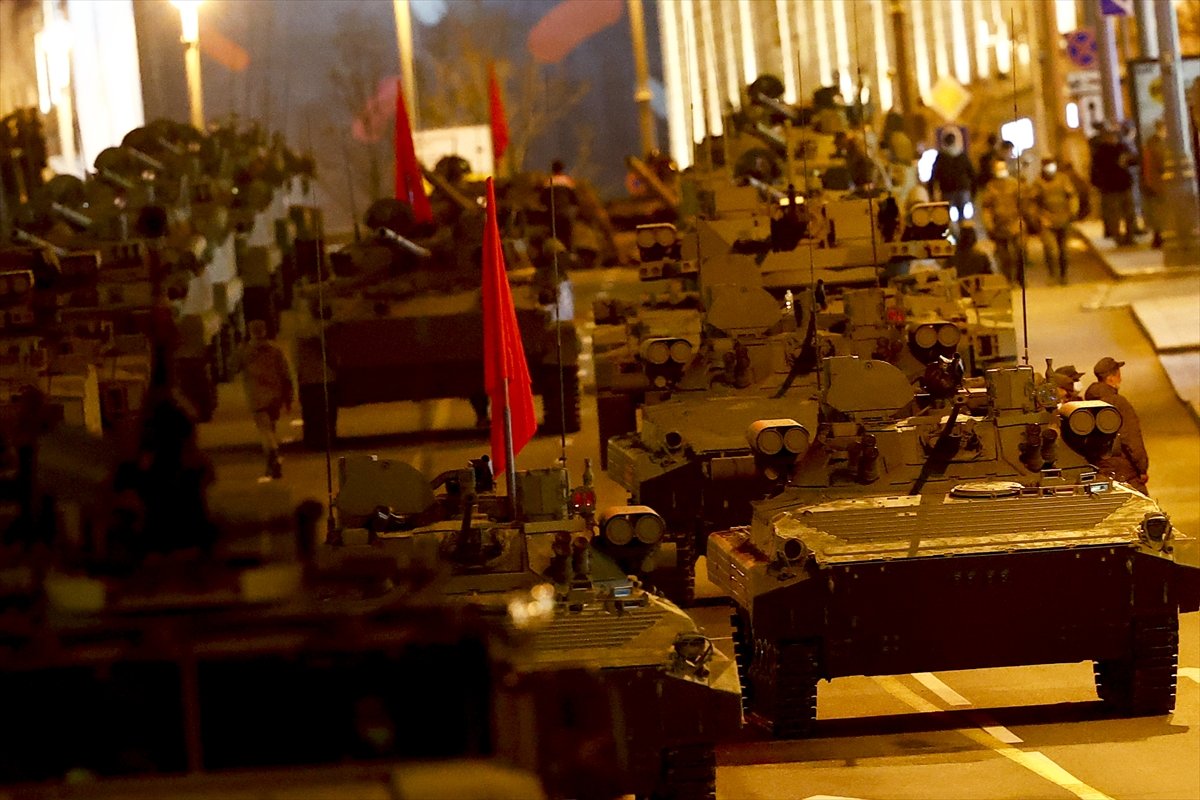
<point>1073,375</point>
<point>1128,461</point>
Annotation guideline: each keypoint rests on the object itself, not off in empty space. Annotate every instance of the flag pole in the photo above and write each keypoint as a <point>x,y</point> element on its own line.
<point>510,466</point>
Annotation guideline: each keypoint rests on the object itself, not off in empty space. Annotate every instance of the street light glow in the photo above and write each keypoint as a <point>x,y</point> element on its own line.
<point>189,18</point>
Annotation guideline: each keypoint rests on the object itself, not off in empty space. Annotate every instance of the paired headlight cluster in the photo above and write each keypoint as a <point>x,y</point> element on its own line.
<point>624,525</point>
<point>927,221</point>
<point>773,437</point>
<point>657,242</point>
<point>942,337</point>
<point>662,350</point>
<point>15,283</point>
<point>777,444</point>
<point>1085,417</point>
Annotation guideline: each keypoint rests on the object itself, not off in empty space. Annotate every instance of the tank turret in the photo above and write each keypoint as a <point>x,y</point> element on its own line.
<point>546,546</point>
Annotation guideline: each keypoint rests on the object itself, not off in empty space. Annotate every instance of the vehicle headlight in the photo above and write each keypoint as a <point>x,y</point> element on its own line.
<point>620,525</point>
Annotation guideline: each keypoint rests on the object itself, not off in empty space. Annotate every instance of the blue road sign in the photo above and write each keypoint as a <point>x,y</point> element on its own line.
<point>1081,48</point>
<point>1116,8</point>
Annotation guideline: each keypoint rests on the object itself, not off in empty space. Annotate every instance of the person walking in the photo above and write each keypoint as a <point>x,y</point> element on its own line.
<point>267,380</point>
<point>1111,160</point>
<point>953,177</point>
<point>1128,461</point>
<point>1053,205</point>
<point>1154,187</point>
<point>1000,208</point>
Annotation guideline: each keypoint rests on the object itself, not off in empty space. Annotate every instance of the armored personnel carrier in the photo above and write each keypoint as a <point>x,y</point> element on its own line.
<point>152,628</point>
<point>987,504</point>
<point>678,694</point>
<point>398,321</point>
<point>700,373</point>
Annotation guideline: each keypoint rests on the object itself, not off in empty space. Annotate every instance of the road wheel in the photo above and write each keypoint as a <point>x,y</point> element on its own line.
<point>688,772</point>
<point>743,652</point>
<point>318,411</point>
<point>561,400</point>
<point>1143,682</point>
<point>785,678</point>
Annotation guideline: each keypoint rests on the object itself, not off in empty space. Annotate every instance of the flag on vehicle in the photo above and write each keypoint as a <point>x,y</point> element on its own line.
<point>410,186</point>
<point>496,114</point>
<point>505,372</point>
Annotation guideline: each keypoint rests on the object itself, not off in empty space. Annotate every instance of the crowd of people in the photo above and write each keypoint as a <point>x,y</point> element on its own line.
<point>1015,202</point>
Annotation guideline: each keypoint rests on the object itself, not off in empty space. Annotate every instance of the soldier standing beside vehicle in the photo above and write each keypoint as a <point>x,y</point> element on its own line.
<point>268,383</point>
<point>1052,207</point>
<point>1128,462</point>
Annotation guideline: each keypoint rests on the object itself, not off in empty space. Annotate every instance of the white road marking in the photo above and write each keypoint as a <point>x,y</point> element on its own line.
<point>935,685</point>
<point>1002,734</point>
<point>1032,760</point>
<point>1192,673</point>
<point>296,423</point>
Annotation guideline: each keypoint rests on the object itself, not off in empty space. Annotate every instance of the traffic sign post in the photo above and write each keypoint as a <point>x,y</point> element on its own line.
<point>1116,8</point>
<point>1081,48</point>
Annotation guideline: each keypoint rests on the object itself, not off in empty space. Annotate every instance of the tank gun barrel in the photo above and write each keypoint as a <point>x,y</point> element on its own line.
<point>76,218</point>
<point>146,159</point>
<point>943,450</point>
<point>777,106</point>
<point>660,189</point>
<point>407,244</point>
<point>458,198</point>
<point>119,181</point>
<point>766,188</point>
<point>769,137</point>
<point>26,237</point>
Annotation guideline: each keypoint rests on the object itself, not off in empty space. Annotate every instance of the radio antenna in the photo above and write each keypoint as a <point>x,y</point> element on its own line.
<point>1012,65</point>
<point>554,248</point>
<point>867,149</point>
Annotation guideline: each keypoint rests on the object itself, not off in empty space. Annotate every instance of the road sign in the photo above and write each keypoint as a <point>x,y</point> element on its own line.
<point>1083,81</point>
<point>1081,48</point>
<point>948,97</point>
<point>1116,8</point>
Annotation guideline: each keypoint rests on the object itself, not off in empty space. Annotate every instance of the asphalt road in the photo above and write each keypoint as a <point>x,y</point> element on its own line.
<point>1025,732</point>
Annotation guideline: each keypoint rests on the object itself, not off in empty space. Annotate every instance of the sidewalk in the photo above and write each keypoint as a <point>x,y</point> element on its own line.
<point>1165,302</point>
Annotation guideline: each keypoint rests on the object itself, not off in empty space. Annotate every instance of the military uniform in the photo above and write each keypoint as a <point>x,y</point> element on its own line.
<point>267,380</point>
<point>1128,462</point>
<point>1053,203</point>
<point>1000,209</point>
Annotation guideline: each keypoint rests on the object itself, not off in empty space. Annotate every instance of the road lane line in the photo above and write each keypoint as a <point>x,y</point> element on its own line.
<point>1032,760</point>
<point>935,685</point>
<point>1190,672</point>
<point>1002,734</point>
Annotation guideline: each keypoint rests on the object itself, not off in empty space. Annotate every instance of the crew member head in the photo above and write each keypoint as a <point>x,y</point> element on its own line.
<point>1108,370</point>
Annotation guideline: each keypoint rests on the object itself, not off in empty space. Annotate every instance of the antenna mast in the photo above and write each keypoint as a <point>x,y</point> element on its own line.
<point>1012,65</point>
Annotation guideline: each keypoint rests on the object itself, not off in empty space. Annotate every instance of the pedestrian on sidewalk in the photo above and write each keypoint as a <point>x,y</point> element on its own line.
<point>953,177</point>
<point>1052,208</point>
<point>1000,210</point>
<point>1128,461</point>
<point>1111,160</point>
<point>267,380</point>
<point>1154,157</point>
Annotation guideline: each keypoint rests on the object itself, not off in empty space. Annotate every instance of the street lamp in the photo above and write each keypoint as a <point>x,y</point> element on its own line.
<point>189,17</point>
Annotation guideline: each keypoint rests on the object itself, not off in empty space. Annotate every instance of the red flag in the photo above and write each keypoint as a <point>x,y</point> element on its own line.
<point>410,188</point>
<point>496,115</point>
<point>505,373</point>
<point>568,24</point>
